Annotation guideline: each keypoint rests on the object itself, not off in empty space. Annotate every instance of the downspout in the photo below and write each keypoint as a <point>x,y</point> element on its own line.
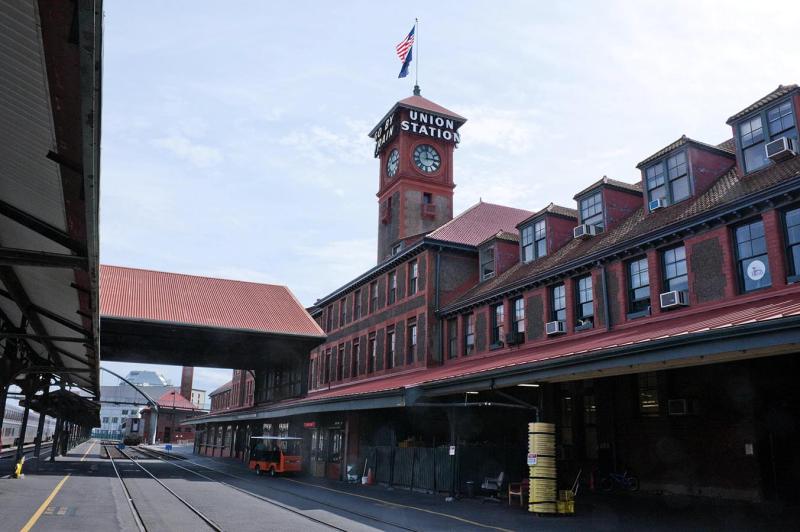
<point>440,354</point>
<point>605,296</point>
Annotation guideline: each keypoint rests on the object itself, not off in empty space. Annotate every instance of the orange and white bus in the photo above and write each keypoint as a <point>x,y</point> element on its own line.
<point>274,455</point>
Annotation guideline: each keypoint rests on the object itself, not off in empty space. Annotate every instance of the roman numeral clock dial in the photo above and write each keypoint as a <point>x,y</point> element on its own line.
<point>426,158</point>
<point>393,163</point>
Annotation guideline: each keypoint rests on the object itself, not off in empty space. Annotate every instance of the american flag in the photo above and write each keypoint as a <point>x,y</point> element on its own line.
<point>405,45</point>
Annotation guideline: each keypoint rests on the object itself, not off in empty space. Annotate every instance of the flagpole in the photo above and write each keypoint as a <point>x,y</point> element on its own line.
<point>416,67</point>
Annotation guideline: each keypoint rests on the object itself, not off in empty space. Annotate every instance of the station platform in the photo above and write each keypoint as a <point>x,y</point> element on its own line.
<point>81,491</point>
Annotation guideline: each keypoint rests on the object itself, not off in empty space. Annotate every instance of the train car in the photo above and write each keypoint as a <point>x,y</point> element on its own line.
<point>132,429</point>
<point>12,423</point>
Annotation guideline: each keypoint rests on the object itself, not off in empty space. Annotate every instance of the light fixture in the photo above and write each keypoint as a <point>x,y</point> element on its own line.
<point>528,385</point>
<point>471,393</point>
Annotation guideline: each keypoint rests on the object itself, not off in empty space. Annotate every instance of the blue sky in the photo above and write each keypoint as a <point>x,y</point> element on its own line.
<point>235,134</point>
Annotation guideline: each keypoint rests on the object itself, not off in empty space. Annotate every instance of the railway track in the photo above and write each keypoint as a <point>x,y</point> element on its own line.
<point>182,463</point>
<point>11,453</point>
<point>115,455</point>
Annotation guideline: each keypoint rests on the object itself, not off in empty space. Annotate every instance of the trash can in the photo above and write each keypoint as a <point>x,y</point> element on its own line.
<point>470,489</point>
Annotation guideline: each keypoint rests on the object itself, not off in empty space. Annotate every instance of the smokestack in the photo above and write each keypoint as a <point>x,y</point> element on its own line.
<point>187,376</point>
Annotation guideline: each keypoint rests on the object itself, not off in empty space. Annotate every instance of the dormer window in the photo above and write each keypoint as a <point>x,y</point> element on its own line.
<point>669,179</point>
<point>534,241</point>
<point>753,134</point>
<point>592,210</point>
<point>487,263</point>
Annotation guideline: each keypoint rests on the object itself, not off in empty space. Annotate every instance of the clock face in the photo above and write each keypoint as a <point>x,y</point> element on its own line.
<point>427,158</point>
<point>393,163</point>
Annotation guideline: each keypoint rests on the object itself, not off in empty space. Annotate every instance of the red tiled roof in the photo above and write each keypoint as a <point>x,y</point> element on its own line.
<point>686,140</point>
<point>613,183</point>
<point>174,400</point>
<point>558,210</point>
<point>418,102</point>
<point>202,301</point>
<point>224,387</point>
<point>709,317</point>
<point>480,222</point>
<point>780,92</point>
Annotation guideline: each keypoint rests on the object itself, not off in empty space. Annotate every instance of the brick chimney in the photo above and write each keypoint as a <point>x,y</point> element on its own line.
<point>187,376</point>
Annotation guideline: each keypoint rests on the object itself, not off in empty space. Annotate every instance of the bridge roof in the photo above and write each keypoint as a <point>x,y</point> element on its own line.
<point>149,295</point>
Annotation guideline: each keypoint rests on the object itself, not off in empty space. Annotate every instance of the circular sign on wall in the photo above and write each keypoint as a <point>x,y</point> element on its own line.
<point>756,270</point>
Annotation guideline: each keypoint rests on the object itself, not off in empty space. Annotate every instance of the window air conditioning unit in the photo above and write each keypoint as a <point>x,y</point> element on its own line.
<point>555,327</point>
<point>584,231</point>
<point>675,298</point>
<point>780,149</point>
<point>515,338</point>
<point>677,407</point>
<point>659,203</point>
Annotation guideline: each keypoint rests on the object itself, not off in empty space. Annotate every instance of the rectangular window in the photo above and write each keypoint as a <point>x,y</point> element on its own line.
<point>584,310</point>
<point>791,220</point>
<point>372,353</point>
<point>669,179</point>
<point>540,239</point>
<point>678,175</point>
<point>329,317</point>
<point>373,296</point>
<point>469,334</point>
<point>396,249</point>
<point>390,348</point>
<point>648,394</point>
<point>427,198</point>
<point>413,275</point>
<point>487,263</point>
<point>452,338</point>
<point>518,316</point>
<point>558,303</point>
<point>527,244</point>
<point>534,241</point>
<point>753,134</point>
<point>340,363</point>
<point>498,320</point>
<point>342,312</point>
<point>411,344</point>
<point>751,256</point>
<point>326,377</point>
<point>355,355</point>
<point>357,305</point>
<point>392,287</point>
<point>675,272</point>
<point>638,285</point>
<point>592,210</point>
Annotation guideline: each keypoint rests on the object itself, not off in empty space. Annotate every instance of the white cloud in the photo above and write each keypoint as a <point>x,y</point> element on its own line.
<point>199,155</point>
<point>509,130</point>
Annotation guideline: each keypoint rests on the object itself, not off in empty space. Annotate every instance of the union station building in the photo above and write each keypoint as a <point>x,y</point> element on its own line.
<point>654,322</point>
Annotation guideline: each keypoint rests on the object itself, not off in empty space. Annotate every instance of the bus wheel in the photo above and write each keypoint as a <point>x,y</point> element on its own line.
<point>272,471</point>
<point>258,470</point>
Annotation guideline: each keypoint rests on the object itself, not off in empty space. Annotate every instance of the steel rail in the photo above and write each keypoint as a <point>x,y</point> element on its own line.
<point>131,504</point>
<point>198,513</point>
<point>288,492</point>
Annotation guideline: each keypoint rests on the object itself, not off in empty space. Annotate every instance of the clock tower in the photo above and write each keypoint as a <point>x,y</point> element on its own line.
<point>414,143</point>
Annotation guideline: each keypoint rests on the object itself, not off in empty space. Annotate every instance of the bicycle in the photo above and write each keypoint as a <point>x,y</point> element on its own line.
<point>622,481</point>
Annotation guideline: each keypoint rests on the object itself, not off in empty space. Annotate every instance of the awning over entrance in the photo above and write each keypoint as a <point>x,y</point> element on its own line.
<point>50,59</point>
<point>760,325</point>
<point>169,318</point>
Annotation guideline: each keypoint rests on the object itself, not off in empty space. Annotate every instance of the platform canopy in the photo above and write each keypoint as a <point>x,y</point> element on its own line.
<point>169,318</point>
<point>50,73</point>
<point>68,406</point>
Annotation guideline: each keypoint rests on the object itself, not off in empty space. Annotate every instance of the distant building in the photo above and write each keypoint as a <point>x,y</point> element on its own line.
<point>146,378</point>
<point>173,409</point>
<point>121,401</point>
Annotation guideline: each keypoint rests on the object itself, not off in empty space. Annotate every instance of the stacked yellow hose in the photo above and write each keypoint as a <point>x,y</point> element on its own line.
<point>543,493</point>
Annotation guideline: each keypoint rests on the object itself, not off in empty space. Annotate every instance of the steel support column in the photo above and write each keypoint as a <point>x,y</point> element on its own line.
<point>23,428</point>
<point>56,437</point>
